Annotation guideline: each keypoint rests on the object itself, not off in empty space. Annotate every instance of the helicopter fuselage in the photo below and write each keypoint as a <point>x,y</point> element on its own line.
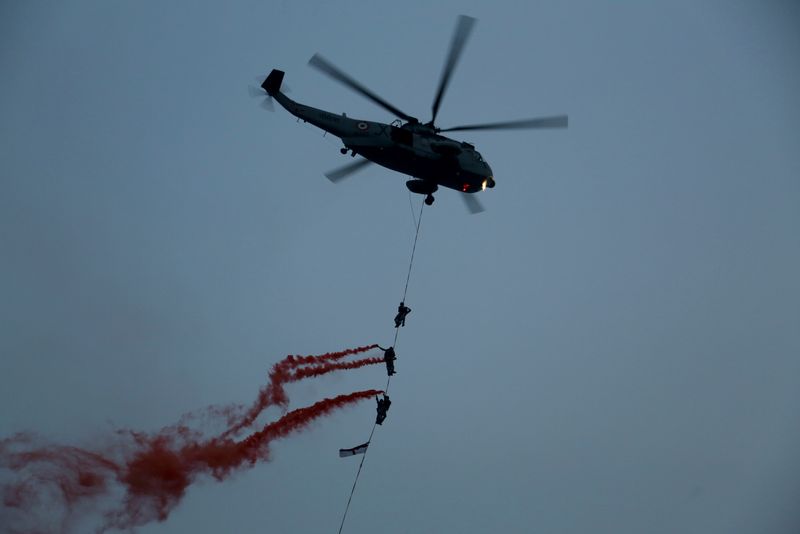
<point>412,149</point>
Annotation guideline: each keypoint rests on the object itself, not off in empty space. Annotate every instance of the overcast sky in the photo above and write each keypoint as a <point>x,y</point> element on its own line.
<point>612,347</point>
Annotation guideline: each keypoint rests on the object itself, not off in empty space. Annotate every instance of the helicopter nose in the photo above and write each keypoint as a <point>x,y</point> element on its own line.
<point>489,181</point>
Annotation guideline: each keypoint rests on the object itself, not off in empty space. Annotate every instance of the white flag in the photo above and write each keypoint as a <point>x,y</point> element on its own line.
<point>361,449</point>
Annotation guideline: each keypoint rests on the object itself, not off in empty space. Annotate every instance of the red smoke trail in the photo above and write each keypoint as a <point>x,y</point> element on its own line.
<point>294,360</point>
<point>153,470</point>
<point>291,369</point>
<point>324,368</point>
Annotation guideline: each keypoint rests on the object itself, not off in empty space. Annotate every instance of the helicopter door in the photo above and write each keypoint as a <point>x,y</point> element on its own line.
<point>401,136</point>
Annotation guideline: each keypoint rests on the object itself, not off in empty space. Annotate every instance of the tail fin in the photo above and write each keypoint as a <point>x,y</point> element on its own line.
<point>272,84</point>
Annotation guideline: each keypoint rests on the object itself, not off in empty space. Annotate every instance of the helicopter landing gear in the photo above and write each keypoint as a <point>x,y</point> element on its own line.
<point>429,200</point>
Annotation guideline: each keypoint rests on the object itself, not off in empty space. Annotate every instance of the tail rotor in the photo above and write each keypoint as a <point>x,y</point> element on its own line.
<point>270,86</point>
<point>266,100</point>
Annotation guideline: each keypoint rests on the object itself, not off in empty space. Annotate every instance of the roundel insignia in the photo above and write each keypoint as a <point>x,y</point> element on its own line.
<point>362,125</point>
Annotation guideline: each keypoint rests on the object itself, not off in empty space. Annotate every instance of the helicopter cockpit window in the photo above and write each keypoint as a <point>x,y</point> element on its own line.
<point>404,137</point>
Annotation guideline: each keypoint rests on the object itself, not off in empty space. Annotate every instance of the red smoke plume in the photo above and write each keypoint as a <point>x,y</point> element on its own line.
<point>291,369</point>
<point>152,471</point>
<point>294,360</point>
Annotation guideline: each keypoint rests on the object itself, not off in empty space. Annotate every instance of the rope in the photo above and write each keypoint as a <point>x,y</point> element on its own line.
<point>364,457</point>
<point>389,378</point>
<point>413,249</point>
<point>411,207</point>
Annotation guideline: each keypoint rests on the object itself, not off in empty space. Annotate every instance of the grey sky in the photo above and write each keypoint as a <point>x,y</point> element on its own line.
<point>611,347</point>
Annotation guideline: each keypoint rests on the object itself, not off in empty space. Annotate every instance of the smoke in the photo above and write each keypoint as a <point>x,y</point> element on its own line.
<point>140,477</point>
<point>291,369</point>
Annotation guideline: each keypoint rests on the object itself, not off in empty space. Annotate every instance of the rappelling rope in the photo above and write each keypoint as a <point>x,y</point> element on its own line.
<point>389,378</point>
<point>411,207</point>
<point>413,249</point>
<point>350,498</point>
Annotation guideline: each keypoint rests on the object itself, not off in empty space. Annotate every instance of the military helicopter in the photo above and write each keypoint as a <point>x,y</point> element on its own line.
<point>411,147</point>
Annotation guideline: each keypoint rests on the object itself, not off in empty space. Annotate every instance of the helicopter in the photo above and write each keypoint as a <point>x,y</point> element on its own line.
<point>407,145</point>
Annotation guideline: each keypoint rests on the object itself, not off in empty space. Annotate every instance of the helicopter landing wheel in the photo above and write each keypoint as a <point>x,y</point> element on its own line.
<point>429,199</point>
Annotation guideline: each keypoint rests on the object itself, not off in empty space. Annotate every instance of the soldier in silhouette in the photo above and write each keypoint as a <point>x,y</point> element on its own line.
<point>383,407</point>
<point>389,357</point>
<point>400,318</point>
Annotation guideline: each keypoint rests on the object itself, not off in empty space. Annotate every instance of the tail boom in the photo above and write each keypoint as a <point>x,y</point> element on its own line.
<point>272,85</point>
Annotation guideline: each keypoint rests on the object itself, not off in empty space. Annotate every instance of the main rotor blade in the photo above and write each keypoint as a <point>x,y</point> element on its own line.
<point>463,29</point>
<point>322,64</point>
<point>341,173</point>
<point>558,121</point>
<point>473,204</point>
